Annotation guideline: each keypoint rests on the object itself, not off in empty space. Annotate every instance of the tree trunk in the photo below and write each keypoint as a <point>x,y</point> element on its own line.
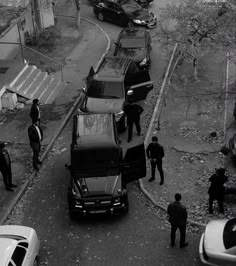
<point>77,4</point>
<point>195,69</point>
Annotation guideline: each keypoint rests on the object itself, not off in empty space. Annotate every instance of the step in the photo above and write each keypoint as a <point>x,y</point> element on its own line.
<point>21,79</point>
<point>37,82</point>
<point>29,81</point>
<point>57,90</point>
<point>49,90</point>
<point>42,88</point>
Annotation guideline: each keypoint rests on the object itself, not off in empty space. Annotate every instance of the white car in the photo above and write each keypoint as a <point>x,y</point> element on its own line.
<point>218,243</point>
<point>19,246</point>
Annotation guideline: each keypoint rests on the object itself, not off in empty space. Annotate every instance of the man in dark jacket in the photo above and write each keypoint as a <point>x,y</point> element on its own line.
<point>155,153</point>
<point>35,134</point>
<point>35,112</point>
<point>5,167</point>
<point>217,190</point>
<point>178,219</point>
<point>132,112</point>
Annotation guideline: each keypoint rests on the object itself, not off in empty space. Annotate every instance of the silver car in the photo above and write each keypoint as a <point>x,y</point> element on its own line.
<point>218,243</point>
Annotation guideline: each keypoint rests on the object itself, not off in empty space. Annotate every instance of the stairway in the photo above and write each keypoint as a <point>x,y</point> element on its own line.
<point>32,83</point>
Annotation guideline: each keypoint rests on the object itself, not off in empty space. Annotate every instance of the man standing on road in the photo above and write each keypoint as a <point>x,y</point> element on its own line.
<point>35,134</point>
<point>155,153</point>
<point>5,167</point>
<point>35,112</point>
<point>132,112</point>
<point>178,219</point>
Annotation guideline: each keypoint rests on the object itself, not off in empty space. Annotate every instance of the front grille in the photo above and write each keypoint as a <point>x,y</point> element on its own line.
<point>89,203</point>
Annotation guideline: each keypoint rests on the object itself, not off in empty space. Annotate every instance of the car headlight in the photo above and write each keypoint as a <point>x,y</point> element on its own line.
<point>144,62</point>
<point>137,21</point>
<point>119,115</point>
<point>116,201</point>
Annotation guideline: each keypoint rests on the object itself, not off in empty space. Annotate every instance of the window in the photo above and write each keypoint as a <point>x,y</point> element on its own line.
<point>19,255</point>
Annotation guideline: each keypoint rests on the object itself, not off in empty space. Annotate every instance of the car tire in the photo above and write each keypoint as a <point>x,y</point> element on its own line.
<point>36,261</point>
<point>100,17</point>
<point>126,201</point>
<point>72,215</point>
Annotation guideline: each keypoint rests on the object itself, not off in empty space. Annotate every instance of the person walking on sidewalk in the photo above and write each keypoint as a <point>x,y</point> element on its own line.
<point>132,112</point>
<point>35,112</point>
<point>178,220</point>
<point>5,167</point>
<point>35,134</point>
<point>216,190</point>
<point>155,153</point>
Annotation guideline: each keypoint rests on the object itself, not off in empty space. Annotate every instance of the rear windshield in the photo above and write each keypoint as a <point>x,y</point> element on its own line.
<point>229,235</point>
<point>101,89</point>
<point>100,162</point>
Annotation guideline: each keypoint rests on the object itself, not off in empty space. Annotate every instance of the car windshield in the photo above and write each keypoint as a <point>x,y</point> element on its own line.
<point>229,235</point>
<point>132,43</point>
<point>97,162</point>
<point>131,7</point>
<point>101,89</point>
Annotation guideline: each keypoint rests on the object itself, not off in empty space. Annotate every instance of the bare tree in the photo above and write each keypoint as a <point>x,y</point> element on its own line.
<point>77,4</point>
<point>197,27</point>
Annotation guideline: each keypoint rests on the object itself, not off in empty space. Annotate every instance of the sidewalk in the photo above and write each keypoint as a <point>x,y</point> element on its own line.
<point>14,124</point>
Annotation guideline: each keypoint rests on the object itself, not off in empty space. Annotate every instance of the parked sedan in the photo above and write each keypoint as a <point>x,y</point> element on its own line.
<point>134,43</point>
<point>124,13</point>
<point>218,243</point>
<point>19,245</point>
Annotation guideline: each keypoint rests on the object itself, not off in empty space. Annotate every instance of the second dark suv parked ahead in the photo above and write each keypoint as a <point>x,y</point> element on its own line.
<point>107,87</point>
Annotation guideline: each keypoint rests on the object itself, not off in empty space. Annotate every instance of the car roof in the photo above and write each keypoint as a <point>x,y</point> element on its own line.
<point>7,246</point>
<point>94,130</point>
<point>112,68</point>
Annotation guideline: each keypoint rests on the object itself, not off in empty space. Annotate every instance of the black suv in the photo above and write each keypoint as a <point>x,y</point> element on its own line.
<point>135,43</point>
<point>107,87</point>
<point>99,172</point>
<point>124,13</point>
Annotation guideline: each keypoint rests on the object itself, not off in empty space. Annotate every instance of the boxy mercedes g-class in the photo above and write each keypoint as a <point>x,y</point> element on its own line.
<point>107,87</point>
<point>98,171</point>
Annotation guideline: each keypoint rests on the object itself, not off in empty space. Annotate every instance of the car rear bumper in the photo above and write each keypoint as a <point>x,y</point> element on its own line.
<point>202,255</point>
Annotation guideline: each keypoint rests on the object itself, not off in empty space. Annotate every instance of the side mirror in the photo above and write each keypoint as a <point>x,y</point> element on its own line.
<point>83,89</point>
<point>130,92</point>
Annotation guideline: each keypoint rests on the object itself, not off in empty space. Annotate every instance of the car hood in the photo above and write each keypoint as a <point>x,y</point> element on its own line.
<point>142,14</point>
<point>105,185</point>
<point>136,55</point>
<point>96,105</point>
<point>213,236</point>
<point>15,230</point>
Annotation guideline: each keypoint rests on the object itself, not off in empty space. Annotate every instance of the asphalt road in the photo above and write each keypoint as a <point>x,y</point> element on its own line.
<point>139,238</point>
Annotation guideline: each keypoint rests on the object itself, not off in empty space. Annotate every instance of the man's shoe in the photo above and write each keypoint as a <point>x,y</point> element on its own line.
<point>40,162</point>
<point>13,185</point>
<point>161,183</point>
<point>151,179</point>
<point>36,168</point>
<point>128,140</point>
<point>9,189</point>
<point>184,245</point>
<point>172,245</point>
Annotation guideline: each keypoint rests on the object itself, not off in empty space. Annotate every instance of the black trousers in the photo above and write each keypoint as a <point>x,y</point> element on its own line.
<point>130,127</point>
<point>158,164</point>
<point>182,230</point>
<point>36,147</point>
<point>220,204</point>
<point>7,177</point>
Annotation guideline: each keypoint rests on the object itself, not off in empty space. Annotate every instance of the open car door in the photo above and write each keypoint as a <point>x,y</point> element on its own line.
<point>141,84</point>
<point>134,164</point>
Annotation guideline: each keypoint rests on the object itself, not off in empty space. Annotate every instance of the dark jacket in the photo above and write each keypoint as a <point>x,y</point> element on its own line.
<point>177,213</point>
<point>5,161</point>
<point>155,151</point>
<point>34,113</point>
<point>217,189</point>
<point>132,111</point>
<point>33,134</point>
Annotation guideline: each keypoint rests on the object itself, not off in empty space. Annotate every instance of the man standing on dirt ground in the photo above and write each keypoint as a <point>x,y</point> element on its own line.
<point>178,219</point>
<point>35,112</point>
<point>5,167</point>
<point>155,153</point>
<point>132,112</point>
<point>35,134</point>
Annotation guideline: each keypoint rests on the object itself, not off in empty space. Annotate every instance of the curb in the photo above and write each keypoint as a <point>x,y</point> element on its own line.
<point>52,141</point>
<point>157,110</point>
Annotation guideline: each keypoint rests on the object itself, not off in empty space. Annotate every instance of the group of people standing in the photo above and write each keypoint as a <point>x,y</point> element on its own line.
<point>35,134</point>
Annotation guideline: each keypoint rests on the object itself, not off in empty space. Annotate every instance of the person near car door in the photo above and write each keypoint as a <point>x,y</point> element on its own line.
<point>35,112</point>
<point>178,220</point>
<point>5,167</point>
<point>132,112</point>
<point>155,153</point>
<point>35,134</point>
<point>216,190</point>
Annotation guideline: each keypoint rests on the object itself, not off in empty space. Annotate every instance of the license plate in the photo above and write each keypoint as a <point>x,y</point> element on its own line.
<point>98,211</point>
